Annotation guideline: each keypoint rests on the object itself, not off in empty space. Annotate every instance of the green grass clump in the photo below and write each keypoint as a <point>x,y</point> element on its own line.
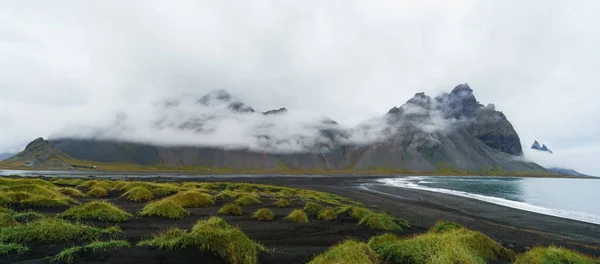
<point>157,189</point>
<point>192,198</point>
<point>50,230</point>
<point>230,209</point>
<point>297,216</point>
<point>224,195</point>
<point>349,251</point>
<point>552,255</point>
<point>381,221</point>
<point>451,246</point>
<point>4,200</point>
<point>327,215</point>
<point>101,211</point>
<point>40,201</point>
<point>68,255</point>
<point>12,247</point>
<point>98,192</point>
<point>70,191</point>
<point>26,217</point>
<point>211,235</point>
<point>164,208</point>
<point>138,194</point>
<point>443,226</point>
<point>313,208</point>
<point>355,212</point>
<point>7,220</point>
<point>37,193</point>
<point>264,214</point>
<point>282,203</point>
<point>246,199</point>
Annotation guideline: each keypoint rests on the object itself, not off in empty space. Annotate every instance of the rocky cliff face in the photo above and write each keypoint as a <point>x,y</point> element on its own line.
<point>424,134</point>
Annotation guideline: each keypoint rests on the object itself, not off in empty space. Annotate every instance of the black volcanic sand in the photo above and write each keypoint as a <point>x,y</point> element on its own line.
<point>298,243</point>
<point>289,242</point>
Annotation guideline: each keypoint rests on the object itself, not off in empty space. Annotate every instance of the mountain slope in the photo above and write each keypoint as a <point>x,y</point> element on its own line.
<point>39,154</point>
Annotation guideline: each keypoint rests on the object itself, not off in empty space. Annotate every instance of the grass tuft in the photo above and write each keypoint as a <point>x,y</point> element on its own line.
<point>192,198</point>
<point>230,209</point>
<point>50,230</point>
<point>164,208</point>
<point>452,246</point>
<point>98,192</point>
<point>349,251</point>
<point>246,199</point>
<point>552,254</point>
<point>138,194</point>
<point>382,221</point>
<point>211,235</point>
<point>70,191</point>
<point>224,195</point>
<point>101,211</point>
<point>443,226</point>
<point>313,208</point>
<point>7,220</point>
<point>68,255</point>
<point>26,217</point>
<point>327,215</point>
<point>264,214</point>
<point>282,203</point>
<point>12,247</point>
<point>297,216</point>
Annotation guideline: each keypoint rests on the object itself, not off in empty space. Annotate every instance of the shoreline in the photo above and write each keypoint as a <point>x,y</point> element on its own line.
<point>26,172</point>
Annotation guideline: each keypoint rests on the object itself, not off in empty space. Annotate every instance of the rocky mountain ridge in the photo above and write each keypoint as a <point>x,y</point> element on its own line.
<point>452,130</point>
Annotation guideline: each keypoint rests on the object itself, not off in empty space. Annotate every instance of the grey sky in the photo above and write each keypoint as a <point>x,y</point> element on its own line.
<point>537,61</point>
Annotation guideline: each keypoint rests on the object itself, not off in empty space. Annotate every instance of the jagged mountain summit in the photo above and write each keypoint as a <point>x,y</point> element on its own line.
<point>536,145</point>
<point>449,132</point>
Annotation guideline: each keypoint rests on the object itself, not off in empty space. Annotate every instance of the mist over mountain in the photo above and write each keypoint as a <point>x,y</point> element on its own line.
<point>451,130</point>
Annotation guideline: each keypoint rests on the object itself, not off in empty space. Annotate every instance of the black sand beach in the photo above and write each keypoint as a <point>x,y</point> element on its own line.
<point>298,243</point>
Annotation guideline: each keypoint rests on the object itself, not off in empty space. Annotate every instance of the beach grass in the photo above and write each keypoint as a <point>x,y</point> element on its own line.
<point>51,230</point>
<point>101,211</point>
<point>552,255</point>
<point>9,248</point>
<point>312,208</point>
<point>69,255</point>
<point>211,235</point>
<point>72,192</point>
<point>165,209</point>
<point>349,251</point>
<point>97,192</point>
<point>327,214</point>
<point>449,246</point>
<point>230,209</point>
<point>192,198</point>
<point>247,199</point>
<point>282,203</point>
<point>264,214</point>
<point>298,216</point>
<point>138,194</point>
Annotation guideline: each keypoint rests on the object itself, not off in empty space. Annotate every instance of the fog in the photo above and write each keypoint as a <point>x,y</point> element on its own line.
<point>67,64</point>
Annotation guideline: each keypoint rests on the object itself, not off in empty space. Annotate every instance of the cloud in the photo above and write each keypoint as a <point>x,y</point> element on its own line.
<point>351,61</point>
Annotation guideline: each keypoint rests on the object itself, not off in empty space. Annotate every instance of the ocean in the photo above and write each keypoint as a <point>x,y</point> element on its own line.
<point>577,199</point>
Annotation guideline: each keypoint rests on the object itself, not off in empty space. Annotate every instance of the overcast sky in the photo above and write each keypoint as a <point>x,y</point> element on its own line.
<point>537,61</point>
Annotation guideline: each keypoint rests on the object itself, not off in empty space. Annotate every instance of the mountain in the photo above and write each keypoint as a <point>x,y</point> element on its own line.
<point>450,133</point>
<point>536,146</point>
<point>40,154</point>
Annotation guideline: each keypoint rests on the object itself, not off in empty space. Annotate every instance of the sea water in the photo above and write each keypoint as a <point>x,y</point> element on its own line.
<point>577,199</point>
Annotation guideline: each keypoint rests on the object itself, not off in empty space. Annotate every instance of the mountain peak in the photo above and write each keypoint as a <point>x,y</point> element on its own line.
<point>282,110</point>
<point>224,97</point>
<point>420,99</point>
<point>536,145</point>
<point>462,89</point>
